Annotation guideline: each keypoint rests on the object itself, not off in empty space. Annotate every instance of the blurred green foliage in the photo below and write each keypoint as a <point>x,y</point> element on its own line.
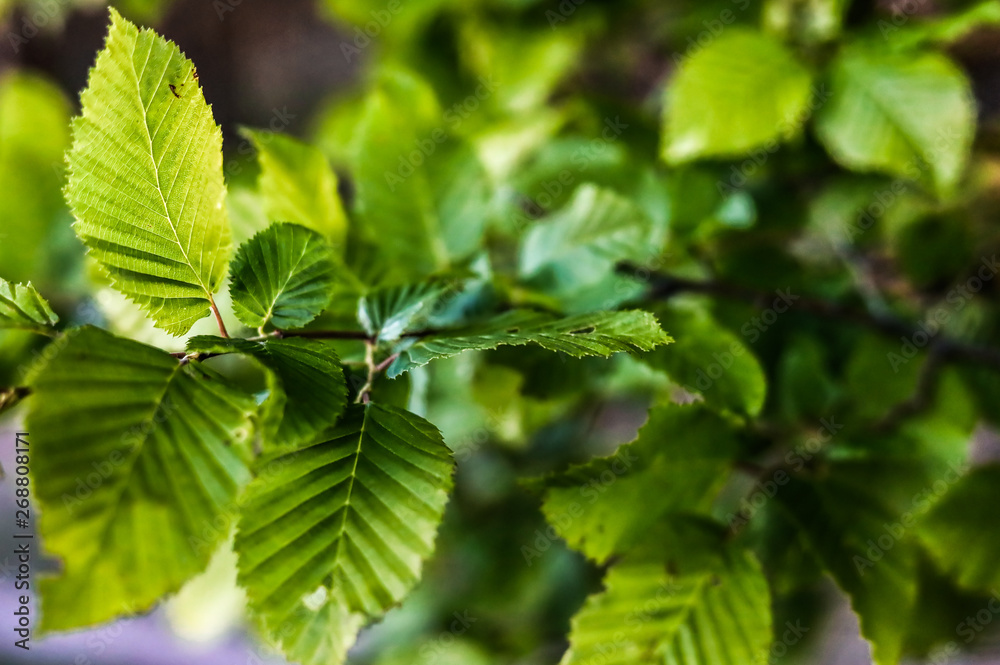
<point>803,193</point>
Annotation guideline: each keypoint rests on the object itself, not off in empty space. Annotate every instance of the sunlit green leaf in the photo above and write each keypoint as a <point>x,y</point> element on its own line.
<point>298,185</point>
<point>310,387</point>
<point>146,183</point>
<point>715,104</point>
<point>712,610</point>
<point>350,517</point>
<point>283,276</point>
<point>907,114</point>
<point>135,471</point>
<point>21,307</point>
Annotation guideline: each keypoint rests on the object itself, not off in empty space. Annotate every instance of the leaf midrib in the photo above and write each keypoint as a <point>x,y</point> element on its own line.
<point>352,479</point>
<point>118,500</point>
<point>152,158</point>
<point>292,272</point>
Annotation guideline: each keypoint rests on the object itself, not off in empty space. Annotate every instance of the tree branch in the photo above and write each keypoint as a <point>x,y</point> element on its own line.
<point>666,286</point>
<point>328,334</point>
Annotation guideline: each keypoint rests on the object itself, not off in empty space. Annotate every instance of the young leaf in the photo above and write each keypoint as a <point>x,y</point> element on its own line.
<point>715,610</point>
<point>309,392</point>
<point>350,516</point>
<point>146,183</point>
<point>22,308</point>
<point>389,160</point>
<point>905,114</point>
<point>677,464</point>
<point>596,334</point>
<point>284,276</point>
<point>388,312</point>
<point>154,438</point>
<point>960,531</point>
<point>859,542</point>
<point>298,185</point>
<point>715,106</point>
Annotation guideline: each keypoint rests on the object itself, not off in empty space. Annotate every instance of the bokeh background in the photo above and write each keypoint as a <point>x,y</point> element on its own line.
<point>287,65</point>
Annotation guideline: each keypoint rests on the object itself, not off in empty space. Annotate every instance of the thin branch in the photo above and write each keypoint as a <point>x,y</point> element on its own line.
<point>384,365</point>
<point>328,334</point>
<point>363,393</point>
<point>922,397</point>
<point>667,286</point>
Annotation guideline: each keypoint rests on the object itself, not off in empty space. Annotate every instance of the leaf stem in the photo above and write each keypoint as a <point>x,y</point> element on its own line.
<point>218,317</point>
<point>364,392</point>
<point>384,365</point>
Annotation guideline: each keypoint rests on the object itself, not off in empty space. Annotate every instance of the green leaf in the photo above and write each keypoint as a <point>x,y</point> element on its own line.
<point>678,463</point>
<point>710,360</point>
<point>350,516</point>
<point>134,471</point>
<point>960,531</point>
<point>308,375</point>
<point>388,312</point>
<point>581,244</point>
<point>907,114</point>
<point>297,185</point>
<point>21,307</point>
<point>943,30</point>
<point>596,334</point>
<point>390,159</point>
<point>146,183</point>
<point>706,614</point>
<point>319,631</point>
<point>715,106</point>
<point>284,276</point>
<point>866,550</point>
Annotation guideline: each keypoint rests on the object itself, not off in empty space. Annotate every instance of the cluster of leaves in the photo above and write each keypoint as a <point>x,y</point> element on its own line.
<point>820,167</point>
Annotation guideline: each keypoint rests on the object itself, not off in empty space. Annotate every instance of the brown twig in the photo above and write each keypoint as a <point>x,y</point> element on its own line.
<point>218,317</point>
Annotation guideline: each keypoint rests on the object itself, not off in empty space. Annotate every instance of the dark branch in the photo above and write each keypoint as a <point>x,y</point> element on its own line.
<point>665,287</point>
<point>328,334</point>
